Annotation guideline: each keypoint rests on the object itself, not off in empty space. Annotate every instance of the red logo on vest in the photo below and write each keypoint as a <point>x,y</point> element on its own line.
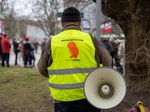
<point>74,51</point>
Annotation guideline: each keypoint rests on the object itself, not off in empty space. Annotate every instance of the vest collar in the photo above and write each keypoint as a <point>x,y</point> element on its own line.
<point>71,26</point>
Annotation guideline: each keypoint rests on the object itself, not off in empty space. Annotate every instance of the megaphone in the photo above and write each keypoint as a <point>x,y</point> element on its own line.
<point>105,88</point>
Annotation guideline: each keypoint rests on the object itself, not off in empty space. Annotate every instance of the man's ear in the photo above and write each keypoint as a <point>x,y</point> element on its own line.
<point>80,23</point>
<point>62,24</point>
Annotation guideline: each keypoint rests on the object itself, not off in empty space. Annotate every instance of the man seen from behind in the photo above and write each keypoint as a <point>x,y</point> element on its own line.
<point>66,60</point>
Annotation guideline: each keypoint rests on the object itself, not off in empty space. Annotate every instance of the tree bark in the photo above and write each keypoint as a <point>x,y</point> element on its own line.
<point>133,16</point>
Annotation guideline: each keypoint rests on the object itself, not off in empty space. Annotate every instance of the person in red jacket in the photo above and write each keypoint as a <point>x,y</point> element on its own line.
<point>1,36</point>
<point>6,46</point>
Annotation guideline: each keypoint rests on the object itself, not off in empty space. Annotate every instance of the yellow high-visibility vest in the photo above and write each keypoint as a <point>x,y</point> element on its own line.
<point>73,55</point>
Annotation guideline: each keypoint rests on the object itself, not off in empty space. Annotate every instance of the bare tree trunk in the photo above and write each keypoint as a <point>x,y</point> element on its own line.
<point>134,18</point>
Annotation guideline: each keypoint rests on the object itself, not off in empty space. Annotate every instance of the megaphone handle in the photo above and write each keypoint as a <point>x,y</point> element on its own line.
<point>141,108</point>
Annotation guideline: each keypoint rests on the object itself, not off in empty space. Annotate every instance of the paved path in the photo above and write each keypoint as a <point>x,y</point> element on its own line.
<point>20,62</point>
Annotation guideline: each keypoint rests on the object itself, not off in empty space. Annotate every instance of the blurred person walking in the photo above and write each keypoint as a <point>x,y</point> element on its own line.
<point>43,43</point>
<point>36,44</point>
<point>33,55</point>
<point>113,50</point>
<point>106,43</point>
<point>20,46</point>
<point>121,56</point>
<point>20,57</point>
<point>16,49</point>
<point>67,59</point>
<point>1,36</point>
<point>6,46</point>
<point>27,53</point>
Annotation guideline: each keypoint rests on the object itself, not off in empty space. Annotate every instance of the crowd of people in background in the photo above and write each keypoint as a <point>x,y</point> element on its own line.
<point>116,49</point>
<point>23,49</point>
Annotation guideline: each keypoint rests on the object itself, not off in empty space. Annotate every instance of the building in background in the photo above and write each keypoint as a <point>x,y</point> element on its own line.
<point>36,34</point>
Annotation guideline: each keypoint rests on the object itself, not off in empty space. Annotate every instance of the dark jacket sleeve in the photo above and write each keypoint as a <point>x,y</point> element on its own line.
<point>45,60</point>
<point>103,54</point>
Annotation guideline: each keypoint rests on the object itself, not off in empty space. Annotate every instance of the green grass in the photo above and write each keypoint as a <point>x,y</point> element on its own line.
<point>24,90</point>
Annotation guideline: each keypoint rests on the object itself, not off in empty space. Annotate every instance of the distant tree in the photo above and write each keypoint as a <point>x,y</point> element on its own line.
<point>14,24</point>
<point>2,2</point>
<point>45,13</point>
<point>9,14</point>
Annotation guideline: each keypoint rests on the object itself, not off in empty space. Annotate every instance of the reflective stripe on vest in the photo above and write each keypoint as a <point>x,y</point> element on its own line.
<point>70,71</point>
<point>66,86</point>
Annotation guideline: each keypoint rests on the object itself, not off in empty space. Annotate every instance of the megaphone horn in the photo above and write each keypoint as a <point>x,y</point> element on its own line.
<point>105,87</point>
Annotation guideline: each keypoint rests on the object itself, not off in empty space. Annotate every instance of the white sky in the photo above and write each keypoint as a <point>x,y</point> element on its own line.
<point>23,7</point>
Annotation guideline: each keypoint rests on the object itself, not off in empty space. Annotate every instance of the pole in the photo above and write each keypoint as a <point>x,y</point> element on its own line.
<point>98,19</point>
